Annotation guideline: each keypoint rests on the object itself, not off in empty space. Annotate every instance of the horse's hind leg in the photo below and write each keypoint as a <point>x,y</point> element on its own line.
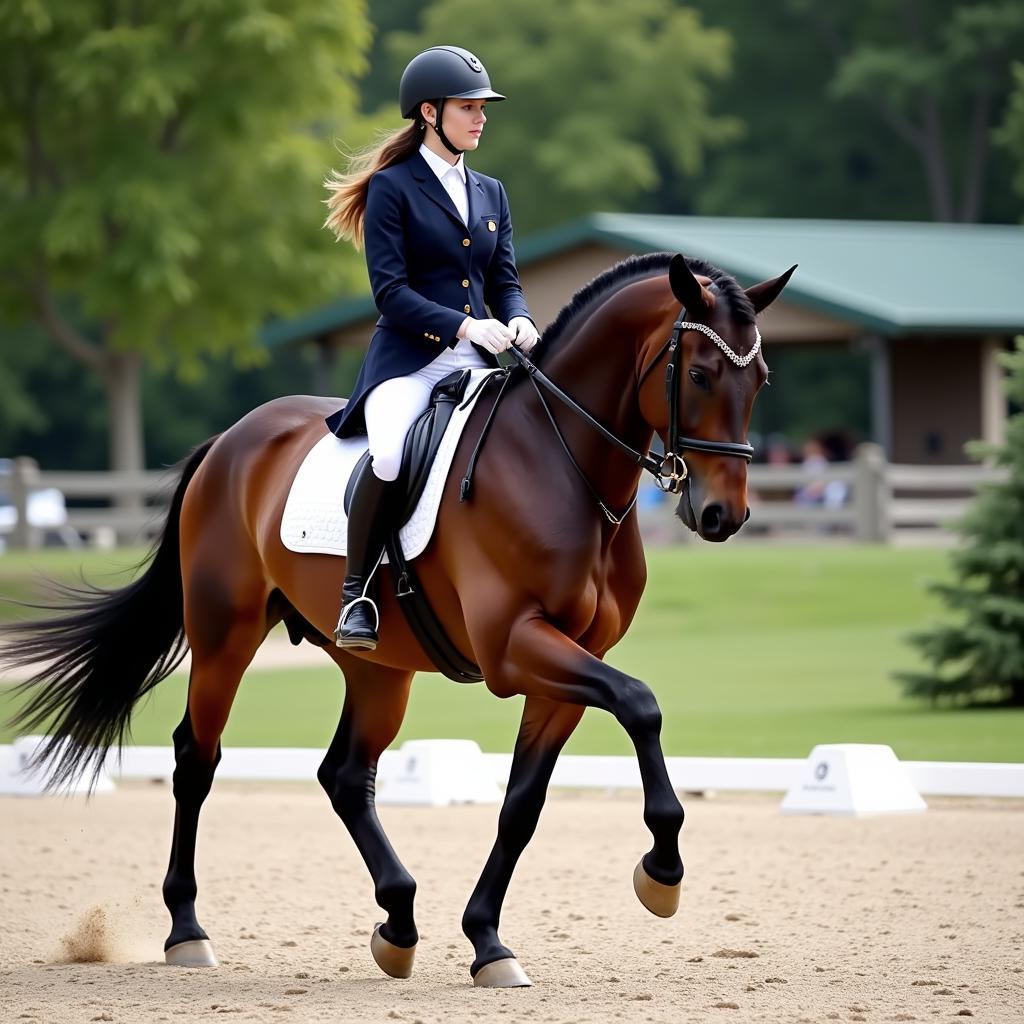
<point>545,727</point>
<point>225,632</point>
<point>375,702</point>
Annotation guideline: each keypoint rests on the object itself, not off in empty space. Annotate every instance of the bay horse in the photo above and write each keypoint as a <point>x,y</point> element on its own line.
<point>535,578</point>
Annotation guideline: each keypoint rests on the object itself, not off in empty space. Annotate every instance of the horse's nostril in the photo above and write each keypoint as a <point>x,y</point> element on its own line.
<point>746,515</point>
<point>711,520</point>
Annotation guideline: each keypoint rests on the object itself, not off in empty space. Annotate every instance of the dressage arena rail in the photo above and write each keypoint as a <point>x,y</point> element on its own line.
<point>688,774</point>
<point>871,501</point>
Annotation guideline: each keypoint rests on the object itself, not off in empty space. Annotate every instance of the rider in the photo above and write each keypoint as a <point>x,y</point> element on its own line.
<point>438,240</point>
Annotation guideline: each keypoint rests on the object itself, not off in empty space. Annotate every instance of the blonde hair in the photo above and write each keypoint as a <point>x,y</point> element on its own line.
<point>347,199</point>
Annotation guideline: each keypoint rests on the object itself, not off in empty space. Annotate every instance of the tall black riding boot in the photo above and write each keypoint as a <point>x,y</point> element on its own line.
<point>368,522</point>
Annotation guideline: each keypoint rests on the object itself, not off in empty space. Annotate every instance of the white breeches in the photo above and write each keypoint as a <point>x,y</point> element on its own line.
<point>393,405</point>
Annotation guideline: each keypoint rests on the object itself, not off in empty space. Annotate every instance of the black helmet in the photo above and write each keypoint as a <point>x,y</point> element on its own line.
<point>441,72</point>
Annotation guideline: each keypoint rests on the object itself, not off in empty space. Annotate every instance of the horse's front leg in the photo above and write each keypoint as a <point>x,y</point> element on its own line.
<point>541,661</point>
<point>375,703</point>
<point>545,727</point>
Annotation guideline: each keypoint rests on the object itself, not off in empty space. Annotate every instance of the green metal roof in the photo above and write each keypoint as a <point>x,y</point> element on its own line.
<point>893,277</point>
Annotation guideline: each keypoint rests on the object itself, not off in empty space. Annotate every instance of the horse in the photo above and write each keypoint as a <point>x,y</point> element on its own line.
<point>535,578</point>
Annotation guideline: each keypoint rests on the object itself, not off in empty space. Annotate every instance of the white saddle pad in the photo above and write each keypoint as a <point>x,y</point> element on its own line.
<point>314,519</point>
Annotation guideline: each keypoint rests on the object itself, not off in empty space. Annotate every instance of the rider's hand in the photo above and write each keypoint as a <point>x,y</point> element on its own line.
<point>526,335</point>
<point>492,335</point>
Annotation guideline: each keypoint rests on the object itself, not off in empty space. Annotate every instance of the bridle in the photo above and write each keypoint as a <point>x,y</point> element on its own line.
<point>670,471</point>
<point>672,480</point>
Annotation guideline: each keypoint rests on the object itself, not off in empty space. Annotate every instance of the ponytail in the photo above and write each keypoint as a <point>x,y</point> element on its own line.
<point>347,199</point>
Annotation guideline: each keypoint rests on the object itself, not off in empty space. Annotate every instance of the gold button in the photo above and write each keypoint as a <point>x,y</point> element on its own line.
<point>491,226</point>
<point>465,284</point>
<point>467,309</point>
<point>465,241</point>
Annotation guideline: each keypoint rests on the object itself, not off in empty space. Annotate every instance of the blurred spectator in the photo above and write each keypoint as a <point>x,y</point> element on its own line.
<point>817,490</point>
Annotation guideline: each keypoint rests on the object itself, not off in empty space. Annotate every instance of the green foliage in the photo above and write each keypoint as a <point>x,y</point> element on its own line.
<point>815,389</point>
<point>1010,134</point>
<point>980,656</point>
<point>161,167</point>
<point>849,110</point>
<point>599,94</point>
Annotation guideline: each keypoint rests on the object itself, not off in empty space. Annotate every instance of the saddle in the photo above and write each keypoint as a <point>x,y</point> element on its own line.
<point>421,445</point>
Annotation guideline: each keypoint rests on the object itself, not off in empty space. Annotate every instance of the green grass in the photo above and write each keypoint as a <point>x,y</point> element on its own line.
<point>23,573</point>
<point>752,650</point>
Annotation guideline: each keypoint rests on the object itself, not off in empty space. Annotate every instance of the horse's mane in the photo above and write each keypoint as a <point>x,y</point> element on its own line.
<point>631,269</point>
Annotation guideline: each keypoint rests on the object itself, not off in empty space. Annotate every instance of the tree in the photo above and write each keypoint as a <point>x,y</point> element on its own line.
<point>981,656</point>
<point>160,177</point>
<point>801,153</point>
<point>1010,134</point>
<point>599,92</point>
<point>936,75</point>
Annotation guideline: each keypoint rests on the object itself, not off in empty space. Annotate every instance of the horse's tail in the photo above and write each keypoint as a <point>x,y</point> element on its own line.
<point>101,653</point>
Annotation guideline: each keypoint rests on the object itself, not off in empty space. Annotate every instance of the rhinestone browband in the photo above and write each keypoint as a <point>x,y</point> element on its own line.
<point>738,360</point>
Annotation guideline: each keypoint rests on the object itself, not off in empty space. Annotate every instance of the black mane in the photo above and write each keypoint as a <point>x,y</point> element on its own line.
<point>635,268</point>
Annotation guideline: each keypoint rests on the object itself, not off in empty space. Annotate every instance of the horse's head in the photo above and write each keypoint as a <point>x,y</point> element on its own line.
<point>698,393</point>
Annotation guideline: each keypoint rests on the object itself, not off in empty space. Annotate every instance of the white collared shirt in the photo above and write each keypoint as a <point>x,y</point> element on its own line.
<point>451,176</point>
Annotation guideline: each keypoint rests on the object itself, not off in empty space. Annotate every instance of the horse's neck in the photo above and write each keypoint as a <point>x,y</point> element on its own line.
<point>597,366</point>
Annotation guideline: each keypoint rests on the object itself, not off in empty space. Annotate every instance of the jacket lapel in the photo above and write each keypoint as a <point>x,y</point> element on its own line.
<point>475,192</point>
<point>433,189</point>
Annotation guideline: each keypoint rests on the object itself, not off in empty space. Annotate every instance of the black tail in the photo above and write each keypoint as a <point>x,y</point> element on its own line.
<point>101,654</point>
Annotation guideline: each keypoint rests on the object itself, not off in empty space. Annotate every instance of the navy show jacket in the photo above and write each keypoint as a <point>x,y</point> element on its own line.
<point>429,271</point>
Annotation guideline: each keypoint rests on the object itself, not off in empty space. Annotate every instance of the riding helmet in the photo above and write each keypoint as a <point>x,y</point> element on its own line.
<point>443,72</point>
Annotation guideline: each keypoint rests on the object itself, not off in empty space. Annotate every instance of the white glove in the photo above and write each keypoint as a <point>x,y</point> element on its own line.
<point>526,335</point>
<point>492,335</point>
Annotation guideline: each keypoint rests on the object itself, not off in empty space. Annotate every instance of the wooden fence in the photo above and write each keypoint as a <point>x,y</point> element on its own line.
<point>867,500</point>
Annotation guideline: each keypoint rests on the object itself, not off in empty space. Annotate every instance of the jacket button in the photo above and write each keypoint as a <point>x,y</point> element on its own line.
<point>467,309</point>
<point>465,241</point>
<point>465,283</point>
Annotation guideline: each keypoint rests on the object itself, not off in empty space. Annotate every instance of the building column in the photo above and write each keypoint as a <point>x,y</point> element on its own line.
<point>993,397</point>
<point>877,346</point>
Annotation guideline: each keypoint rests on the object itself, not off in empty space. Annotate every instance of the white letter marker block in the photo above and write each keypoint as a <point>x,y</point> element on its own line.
<point>17,779</point>
<point>432,773</point>
<point>852,778</point>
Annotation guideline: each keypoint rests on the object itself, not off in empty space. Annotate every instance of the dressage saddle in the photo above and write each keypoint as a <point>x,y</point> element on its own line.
<point>421,445</point>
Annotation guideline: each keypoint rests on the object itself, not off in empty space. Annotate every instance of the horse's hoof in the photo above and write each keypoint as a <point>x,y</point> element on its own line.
<point>502,974</point>
<point>394,961</point>
<point>660,899</point>
<point>194,953</point>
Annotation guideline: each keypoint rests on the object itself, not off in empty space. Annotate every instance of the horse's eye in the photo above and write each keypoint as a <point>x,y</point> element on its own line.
<point>700,379</point>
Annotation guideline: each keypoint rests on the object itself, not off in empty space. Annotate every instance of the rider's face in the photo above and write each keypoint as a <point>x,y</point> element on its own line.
<point>463,121</point>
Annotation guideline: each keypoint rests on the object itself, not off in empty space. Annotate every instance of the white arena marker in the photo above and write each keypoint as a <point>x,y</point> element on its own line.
<point>17,779</point>
<point>855,779</point>
<point>433,773</point>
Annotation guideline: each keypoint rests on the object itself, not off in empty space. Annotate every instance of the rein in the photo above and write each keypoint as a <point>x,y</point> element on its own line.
<point>670,470</point>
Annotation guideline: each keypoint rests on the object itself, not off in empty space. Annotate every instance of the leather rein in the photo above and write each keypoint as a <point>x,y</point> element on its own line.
<point>669,470</point>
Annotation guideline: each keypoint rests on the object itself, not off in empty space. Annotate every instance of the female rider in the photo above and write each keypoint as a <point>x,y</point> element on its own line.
<point>438,240</point>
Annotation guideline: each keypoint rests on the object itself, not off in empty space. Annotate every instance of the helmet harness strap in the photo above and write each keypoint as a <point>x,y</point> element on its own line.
<point>439,129</point>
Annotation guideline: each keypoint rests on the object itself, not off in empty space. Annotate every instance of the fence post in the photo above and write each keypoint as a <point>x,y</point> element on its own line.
<point>870,494</point>
<point>24,480</point>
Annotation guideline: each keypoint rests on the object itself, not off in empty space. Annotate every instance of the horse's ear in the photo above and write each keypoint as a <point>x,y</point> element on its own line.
<point>696,299</point>
<point>764,294</point>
